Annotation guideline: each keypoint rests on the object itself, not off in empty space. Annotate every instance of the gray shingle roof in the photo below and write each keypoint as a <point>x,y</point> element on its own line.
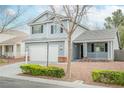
<point>13,40</point>
<point>96,35</point>
<point>19,36</point>
<point>15,32</point>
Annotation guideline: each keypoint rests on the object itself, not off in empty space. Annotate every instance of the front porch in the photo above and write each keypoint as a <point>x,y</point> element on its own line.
<point>10,51</point>
<point>93,50</point>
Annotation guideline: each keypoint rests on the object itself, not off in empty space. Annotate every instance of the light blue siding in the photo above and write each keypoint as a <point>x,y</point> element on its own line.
<point>61,49</point>
<point>97,55</point>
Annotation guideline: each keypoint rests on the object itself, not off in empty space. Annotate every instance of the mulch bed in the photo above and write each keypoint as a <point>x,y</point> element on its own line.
<point>83,70</point>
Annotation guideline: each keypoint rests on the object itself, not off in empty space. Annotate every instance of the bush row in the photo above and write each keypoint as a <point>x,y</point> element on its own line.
<point>38,70</point>
<point>108,76</point>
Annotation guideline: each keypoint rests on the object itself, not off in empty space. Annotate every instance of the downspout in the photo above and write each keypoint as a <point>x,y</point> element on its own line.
<point>47,54</point>
<point>118,37</point>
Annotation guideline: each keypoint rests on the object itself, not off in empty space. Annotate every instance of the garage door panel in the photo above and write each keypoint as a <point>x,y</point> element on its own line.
<point>38,52</point>
<point>53,52</point>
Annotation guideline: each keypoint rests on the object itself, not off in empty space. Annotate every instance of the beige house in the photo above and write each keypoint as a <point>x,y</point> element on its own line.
<point>11,44</point>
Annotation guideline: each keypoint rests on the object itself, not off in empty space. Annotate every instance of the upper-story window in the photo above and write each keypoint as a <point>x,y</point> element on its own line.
<point>37,29</point>
<point>61,30</point>
<point>41,28</point>
<point>53,29</point>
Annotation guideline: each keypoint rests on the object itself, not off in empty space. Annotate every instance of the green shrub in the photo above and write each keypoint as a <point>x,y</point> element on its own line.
<point>108,76</point>
<point>38,70</point>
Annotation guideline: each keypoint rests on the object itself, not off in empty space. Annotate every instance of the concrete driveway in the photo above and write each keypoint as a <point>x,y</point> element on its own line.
<point>11,71</point>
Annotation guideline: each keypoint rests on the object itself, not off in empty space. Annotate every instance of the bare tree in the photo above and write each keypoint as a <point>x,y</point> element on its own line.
<point>74,14</point>
<point>9,17</point>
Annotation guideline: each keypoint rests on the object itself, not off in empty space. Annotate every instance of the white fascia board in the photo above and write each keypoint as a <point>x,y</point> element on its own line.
<point>6,44</point>
<point>36,18</point>
<point>107,40</point>
<point>48,21</point>
<point>43,41</point>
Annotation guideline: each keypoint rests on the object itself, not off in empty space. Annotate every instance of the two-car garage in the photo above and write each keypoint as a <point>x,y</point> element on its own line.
<point>41,52</point>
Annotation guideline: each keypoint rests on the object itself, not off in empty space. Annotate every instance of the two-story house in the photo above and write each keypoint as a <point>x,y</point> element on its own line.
<point>48,41</point>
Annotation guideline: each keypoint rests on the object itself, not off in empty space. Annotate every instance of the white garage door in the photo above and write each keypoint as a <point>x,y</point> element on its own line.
<point>53,52</point>
<point>38,52</point>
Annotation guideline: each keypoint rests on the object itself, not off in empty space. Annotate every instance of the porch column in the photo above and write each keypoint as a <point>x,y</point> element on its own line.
<point>112,51</point>
<point>3,50</point>
<point>85,49</point>
<point>26,53</point>
<point>14,50</point>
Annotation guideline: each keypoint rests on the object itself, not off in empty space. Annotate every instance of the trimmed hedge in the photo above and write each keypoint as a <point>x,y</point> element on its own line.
<point>108,76</point>
<point>38,70</point>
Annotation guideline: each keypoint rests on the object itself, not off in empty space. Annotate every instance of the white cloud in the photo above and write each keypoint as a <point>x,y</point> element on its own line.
<point>10,12</point>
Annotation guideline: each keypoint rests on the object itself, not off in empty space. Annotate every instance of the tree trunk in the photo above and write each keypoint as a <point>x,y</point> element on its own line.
<point>68,73</point>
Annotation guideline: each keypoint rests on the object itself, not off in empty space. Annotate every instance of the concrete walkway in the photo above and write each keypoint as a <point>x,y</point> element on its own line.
<point>12,70</point>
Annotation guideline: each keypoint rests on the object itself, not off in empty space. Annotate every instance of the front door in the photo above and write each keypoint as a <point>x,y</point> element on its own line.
<point>81,51</point>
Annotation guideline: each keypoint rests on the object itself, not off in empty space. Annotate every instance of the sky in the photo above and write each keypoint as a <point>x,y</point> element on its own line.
<point>95,18</point>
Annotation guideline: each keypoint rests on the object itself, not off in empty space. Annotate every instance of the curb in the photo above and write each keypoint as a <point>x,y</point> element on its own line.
<point>74,84</point>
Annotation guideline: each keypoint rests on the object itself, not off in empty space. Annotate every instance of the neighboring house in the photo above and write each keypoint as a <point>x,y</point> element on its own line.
<point>48,41</point>
<point>11,44</point>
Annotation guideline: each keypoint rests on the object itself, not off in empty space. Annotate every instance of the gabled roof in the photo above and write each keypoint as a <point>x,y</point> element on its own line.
<point>39,16</point>
<point>96,36</point>
<point>51,17</point>
<point>45,12</point>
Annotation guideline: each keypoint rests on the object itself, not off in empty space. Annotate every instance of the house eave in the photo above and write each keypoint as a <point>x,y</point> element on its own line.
<point>47,21</point>
<point>42,41</point>
<point>81,41</point>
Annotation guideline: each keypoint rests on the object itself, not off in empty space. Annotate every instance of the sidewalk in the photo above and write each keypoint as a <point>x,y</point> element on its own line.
<point>12,70</point>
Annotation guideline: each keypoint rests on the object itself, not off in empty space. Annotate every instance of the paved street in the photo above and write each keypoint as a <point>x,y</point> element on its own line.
<point>17,83</point>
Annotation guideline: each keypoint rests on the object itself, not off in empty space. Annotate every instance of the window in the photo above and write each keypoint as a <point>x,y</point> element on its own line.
<point>32,30</point>
<point>37,29</point>
<point>106,47</point>
<point>97,47</point>
<point>52,29</point>
<point>100,47</point>
<point>61,30</point>
<point>41,28</point>
<point>92,47</point>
